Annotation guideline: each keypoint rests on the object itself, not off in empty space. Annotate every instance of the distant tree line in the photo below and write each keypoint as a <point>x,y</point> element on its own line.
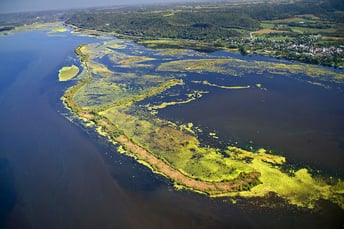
<point>202,23</point>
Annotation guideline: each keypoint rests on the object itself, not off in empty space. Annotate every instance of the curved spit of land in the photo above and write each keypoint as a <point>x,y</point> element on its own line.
<point>143,155</point>
<point>156,164</point>
<point>174,151</point>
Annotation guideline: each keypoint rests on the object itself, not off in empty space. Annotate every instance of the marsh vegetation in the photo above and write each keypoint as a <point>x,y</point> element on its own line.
<point>115,101</point>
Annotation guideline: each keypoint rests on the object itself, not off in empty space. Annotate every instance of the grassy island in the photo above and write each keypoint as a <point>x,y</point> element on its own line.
<point>114,101</point>
<point>68,72</point>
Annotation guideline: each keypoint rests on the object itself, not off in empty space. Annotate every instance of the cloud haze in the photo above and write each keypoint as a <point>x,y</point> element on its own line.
<point>36,5</point>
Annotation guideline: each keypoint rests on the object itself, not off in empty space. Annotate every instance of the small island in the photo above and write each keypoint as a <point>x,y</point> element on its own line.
<point>68,72</point>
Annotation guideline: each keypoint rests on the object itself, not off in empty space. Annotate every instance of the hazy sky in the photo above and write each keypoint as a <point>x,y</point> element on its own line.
<point>35,5</point>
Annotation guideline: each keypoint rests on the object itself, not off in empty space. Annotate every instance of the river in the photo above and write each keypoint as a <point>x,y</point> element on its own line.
<point>57,174</point>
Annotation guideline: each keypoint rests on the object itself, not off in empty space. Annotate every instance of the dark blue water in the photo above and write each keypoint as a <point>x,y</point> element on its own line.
<point>56,174</point>
<point>52,174</point>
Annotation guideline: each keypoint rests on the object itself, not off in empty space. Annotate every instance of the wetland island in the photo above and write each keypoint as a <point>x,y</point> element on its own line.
<point>122,87</point>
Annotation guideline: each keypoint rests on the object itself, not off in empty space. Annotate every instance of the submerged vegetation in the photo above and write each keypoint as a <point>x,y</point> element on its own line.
<point>117,100</point>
